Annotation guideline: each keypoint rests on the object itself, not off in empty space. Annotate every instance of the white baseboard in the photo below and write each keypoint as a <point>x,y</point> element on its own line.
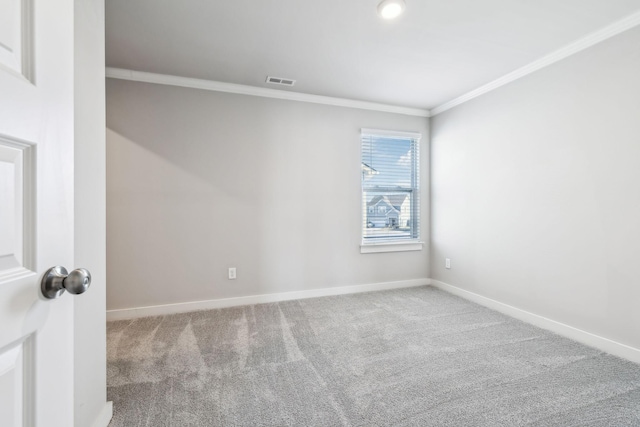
<point>159,310</point>
<point>618,349</point>
<point>105,416</point>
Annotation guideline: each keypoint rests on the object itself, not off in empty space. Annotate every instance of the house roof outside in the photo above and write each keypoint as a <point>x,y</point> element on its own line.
<point>394,200</point>
<point>368,170</point>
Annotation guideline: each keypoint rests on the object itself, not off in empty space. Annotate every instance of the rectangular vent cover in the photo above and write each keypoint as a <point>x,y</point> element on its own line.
<point>280,81</point>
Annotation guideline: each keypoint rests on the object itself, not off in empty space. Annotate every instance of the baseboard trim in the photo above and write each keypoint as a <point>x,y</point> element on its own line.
<point>105,416</point>
<point>159,310</point>
<point>609,346</point>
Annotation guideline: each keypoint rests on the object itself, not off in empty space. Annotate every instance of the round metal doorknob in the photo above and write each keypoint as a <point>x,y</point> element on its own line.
<point>56,280</point>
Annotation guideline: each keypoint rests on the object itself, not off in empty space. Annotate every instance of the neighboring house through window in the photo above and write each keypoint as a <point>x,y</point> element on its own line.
<point>390,189</point>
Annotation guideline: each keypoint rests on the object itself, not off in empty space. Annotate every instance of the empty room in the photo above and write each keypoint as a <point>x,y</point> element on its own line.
<point>321,214</point>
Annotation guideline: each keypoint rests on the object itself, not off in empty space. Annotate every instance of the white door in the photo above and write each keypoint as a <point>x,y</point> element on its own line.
<point>36,211</point>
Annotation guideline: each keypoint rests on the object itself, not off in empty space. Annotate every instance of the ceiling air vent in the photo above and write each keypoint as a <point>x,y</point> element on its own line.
<point>280,81</point>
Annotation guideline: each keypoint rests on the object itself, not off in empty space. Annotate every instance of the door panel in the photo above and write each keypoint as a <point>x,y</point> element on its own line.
<point>17,176</point>
<point>36,211</point>
<point>16,384</point>
<point>16,36</point>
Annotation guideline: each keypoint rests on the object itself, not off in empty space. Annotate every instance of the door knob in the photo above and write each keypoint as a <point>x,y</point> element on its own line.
<point>56,280</point>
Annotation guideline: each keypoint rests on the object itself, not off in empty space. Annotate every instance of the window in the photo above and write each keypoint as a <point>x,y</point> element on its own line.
<point>390,191</point>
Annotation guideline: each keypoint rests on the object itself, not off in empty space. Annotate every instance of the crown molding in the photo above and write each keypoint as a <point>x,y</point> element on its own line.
<point>586,42</point>
<point>603,34</point>
<point>164,79</point>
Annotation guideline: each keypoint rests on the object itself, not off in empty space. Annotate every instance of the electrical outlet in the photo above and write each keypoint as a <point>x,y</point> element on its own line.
<point>447,263</point>
<point>232,273</point>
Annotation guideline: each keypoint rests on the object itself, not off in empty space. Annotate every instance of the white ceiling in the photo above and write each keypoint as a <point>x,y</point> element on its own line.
<point>436,51</point>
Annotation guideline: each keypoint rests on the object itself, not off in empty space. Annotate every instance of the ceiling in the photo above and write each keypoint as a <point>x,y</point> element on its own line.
<point>436,51</point>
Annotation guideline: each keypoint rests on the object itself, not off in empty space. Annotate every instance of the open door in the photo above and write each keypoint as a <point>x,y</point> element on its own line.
<point>36,212</point>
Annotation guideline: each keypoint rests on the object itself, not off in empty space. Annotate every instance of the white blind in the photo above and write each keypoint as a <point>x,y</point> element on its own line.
<point>390,186</point>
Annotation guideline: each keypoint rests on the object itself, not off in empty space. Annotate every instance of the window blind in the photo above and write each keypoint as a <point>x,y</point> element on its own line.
<point>390,186</point>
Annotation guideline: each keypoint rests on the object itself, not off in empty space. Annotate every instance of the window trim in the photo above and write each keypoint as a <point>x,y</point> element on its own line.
<point>390,133</point>
<point>393,245</point>
<point>409,245</point>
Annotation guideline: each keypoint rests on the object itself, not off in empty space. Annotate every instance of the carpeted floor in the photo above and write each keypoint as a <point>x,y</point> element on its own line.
<point>409,357</point>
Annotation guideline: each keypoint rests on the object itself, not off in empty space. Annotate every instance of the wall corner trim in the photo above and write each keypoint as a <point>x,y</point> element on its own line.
<point>609,346</point>
<point>579,45</point>
<point>184,307</point>
<point>105,416</point>
<point>215,86</point>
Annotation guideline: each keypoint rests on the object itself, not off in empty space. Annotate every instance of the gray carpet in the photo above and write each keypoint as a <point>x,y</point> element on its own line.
<point>409,357</point>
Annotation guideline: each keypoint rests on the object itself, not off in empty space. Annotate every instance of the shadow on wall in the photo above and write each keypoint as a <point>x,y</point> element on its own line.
<point>199,182</point>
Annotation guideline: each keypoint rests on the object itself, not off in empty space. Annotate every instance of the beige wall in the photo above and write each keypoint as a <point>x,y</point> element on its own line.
<point>201,181</point>
<point>536,192</point>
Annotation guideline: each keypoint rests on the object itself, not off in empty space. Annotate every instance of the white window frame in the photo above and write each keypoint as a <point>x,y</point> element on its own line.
<point>401,244</point>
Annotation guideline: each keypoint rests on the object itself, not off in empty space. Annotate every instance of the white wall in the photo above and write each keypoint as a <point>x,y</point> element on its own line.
<point>536,192</point>
<point>198,182</point>
<point>90,386</point>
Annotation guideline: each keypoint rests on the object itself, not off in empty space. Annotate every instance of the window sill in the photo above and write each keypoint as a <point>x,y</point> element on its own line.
<point>372,248</point>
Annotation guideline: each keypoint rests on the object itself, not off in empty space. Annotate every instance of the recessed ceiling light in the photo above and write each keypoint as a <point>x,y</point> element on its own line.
<point>390,9</point>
